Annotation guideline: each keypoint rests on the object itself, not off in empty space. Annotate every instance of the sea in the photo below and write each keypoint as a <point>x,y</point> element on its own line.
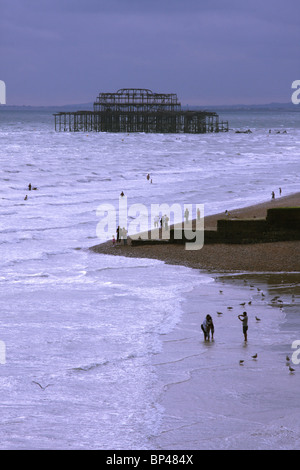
<point>106,352</point>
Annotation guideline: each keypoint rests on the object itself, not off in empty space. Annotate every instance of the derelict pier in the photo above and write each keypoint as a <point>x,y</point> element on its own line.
<point>139,110</point>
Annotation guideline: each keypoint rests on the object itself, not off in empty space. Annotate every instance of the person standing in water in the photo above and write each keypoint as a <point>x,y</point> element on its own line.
<point>208,327</point>
<point>244,319</point>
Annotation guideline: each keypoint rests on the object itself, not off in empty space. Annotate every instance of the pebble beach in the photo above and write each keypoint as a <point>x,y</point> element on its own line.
<point>261,257</point>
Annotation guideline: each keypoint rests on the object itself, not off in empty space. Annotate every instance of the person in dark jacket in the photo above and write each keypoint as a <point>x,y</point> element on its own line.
<point>208,328</point>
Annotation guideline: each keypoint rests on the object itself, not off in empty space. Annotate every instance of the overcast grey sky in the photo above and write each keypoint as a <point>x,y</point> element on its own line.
<point>207,51</point>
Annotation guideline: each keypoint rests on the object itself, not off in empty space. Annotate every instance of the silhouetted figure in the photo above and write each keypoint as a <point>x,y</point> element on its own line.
<point>208,327</point>
<point>244,319</point>
<point>186,215</point>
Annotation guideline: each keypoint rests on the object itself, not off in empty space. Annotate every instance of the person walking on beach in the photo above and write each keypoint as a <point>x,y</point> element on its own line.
<point>208,327</point>
<point>166,220</point>
<point>244,319</point>
<point>124,234</point>
<point>118,234</point>
<point>186,215</point>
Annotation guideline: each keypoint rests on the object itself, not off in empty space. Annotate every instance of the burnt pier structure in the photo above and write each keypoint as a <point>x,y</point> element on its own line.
<point>139,110</point>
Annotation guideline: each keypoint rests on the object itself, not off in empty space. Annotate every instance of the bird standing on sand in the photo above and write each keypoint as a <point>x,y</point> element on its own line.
<point>242,363</point>
<point>291,369</point>
<point>255,356</point>
<point>257,319</point>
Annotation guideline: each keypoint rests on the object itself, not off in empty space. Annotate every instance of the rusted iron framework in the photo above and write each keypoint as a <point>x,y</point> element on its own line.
<point>139,110</point>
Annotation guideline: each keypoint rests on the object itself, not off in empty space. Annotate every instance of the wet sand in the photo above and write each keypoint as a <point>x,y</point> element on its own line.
<point>212,402</point>
<point>260,257</point>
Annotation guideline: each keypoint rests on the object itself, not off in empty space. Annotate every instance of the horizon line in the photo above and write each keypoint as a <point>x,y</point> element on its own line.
<point>273,103</point>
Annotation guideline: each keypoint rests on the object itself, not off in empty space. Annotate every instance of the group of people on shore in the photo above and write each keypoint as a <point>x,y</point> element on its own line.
<point>121,235</point>
<point>208,327</point>
<point>162,222</point>
<point>273,193</point>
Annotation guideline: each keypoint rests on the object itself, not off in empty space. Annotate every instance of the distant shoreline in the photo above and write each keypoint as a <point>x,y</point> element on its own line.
<point>260,257</point>
<point>226,107</point>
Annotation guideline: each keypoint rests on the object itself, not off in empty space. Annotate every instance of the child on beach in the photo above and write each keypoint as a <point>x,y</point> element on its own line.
<point>207,328</point>
<point>244,319</point>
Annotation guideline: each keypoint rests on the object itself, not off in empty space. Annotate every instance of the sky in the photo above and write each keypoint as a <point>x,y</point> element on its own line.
<point>209,52</point>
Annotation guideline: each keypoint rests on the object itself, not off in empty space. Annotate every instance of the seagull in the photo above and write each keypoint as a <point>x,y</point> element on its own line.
<point>221,292</point>
<point>255,356</point>
<point>250,302</point>
<point>242,363</point>
<point>257,319</point>
<point>243,304</point>
<point>291,369</point>
<point>43,388</point>
<point>220,313</point>
<point>229,308</point>
<point>287,359</point>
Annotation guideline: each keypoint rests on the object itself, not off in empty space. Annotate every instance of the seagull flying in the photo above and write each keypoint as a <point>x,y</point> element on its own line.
<point>43,388</point>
